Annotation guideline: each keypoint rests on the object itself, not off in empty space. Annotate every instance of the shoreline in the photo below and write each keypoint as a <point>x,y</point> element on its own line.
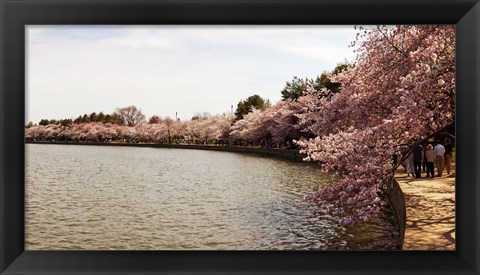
<point>289,154</point>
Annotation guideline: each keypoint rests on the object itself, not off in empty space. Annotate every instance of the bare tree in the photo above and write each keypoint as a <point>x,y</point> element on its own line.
<point>129,116</point>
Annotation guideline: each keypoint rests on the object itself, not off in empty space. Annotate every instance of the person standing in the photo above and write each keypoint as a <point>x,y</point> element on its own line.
<point>448,154</point>
<point>424,161</point>
<point>409,165</point>
<point>439,151</point>
<point>417,160</point>
<point>430,156</point>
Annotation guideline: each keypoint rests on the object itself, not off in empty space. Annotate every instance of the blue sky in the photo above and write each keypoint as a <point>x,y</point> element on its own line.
<point>72,70</point>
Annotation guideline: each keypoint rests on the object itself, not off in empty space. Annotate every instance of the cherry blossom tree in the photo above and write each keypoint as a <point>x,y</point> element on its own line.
<point>207,126</point>
<point>192,129</point>
<point>283,118</point>
<point>178,129</point>
<point>224,123</point>
<point>168,123</point>
<point>400,91</point>
<point>249,127</point>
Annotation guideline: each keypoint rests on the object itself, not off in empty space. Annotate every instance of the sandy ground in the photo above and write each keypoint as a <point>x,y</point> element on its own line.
<point>430,206</point>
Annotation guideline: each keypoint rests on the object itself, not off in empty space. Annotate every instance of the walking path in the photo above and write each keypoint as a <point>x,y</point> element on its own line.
<point>430,204</point>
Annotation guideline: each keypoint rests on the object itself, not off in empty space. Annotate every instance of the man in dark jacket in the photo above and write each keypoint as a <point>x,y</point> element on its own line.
<point>417,160</point>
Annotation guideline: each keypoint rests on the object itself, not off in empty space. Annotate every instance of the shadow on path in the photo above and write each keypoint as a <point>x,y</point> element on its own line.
<point>430,206</point>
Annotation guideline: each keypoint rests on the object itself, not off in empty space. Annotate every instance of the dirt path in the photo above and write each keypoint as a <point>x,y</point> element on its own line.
<point>430,206</point>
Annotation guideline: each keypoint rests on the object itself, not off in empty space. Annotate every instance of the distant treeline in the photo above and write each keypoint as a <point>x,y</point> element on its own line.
<point>93,117</point>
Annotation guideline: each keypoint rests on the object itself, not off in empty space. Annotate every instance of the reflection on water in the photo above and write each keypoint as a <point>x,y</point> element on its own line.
<point>99,197</point>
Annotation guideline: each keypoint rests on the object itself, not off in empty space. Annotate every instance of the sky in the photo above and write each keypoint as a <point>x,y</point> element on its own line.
<point>164,70</point>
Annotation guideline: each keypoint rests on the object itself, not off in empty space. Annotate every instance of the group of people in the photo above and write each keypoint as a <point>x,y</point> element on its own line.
<point>439,156</point>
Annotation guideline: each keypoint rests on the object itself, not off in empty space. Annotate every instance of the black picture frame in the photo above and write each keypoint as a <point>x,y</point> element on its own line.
<point>16,14</point>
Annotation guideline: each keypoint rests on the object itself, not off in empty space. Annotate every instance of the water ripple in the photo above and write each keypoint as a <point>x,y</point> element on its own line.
<point>85,197</point>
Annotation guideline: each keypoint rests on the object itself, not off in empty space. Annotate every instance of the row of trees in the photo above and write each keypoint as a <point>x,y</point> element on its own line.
<point>206,128</point>
<point>129,116</point>
<point>255,122</point>
<point>274,126</point>
<point>94,117</point>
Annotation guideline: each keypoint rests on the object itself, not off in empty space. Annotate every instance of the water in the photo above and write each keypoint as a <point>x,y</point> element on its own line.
<point>106,197</point>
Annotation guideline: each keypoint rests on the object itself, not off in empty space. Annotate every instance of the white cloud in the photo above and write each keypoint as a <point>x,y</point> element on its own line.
<point>326,53</point>
<point>140,41</point>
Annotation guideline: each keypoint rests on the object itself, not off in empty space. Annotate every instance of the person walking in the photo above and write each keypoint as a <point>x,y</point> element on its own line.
<point>439,151</point>
<point>448,154</point>
<point>430,156</point>
<point>417,160</point>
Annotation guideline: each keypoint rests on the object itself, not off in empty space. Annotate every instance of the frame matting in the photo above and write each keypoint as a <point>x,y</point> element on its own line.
<point>16,14</point>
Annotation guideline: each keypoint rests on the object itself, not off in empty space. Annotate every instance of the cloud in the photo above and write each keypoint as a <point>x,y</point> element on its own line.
<point>329,43</point>
<point>140,42</point>
<point>328,53</point>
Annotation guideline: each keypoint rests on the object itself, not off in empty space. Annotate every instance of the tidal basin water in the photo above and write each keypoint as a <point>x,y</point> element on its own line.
<point>136,198</point>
